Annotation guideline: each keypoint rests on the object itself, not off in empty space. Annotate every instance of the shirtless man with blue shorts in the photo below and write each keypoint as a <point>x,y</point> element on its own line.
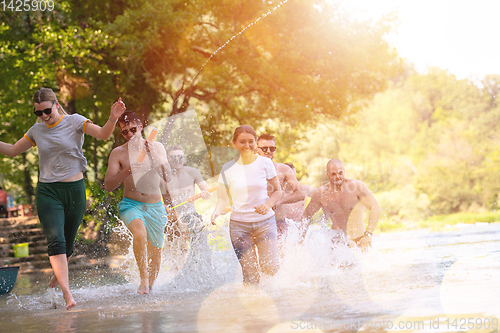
<point>141,209</point>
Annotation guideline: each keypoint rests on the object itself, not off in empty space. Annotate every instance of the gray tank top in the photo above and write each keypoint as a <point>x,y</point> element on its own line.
<point>60,152</point>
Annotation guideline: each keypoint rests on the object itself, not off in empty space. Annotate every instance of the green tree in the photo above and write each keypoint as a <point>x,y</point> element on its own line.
<point>290,67</point>
<point>430,136</point>
<point>277,69</point>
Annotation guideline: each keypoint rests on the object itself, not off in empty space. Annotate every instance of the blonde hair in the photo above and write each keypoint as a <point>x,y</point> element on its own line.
<point>47,94</point>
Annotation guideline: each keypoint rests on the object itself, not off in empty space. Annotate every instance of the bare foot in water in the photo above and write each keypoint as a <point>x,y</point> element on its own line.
<point>143,290</point>
<point>70,302</point>
<point>53,282</point>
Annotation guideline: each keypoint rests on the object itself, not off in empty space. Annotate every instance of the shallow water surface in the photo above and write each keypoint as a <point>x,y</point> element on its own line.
<point>410,281</point>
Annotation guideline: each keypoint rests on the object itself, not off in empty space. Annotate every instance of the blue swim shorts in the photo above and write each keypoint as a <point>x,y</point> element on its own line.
<point>153,215</point>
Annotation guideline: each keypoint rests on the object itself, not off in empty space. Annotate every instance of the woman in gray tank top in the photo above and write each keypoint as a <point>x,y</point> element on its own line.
<point>60,198</point>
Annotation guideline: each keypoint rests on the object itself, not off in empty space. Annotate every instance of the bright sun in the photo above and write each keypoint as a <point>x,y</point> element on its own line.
<point>458,35</point>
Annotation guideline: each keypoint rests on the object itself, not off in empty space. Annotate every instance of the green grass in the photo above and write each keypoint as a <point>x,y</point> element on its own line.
<point>391,225</point>
<point>439,222</point>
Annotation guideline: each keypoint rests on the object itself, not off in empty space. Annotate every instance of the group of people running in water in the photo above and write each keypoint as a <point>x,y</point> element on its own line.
<point>264,195</point>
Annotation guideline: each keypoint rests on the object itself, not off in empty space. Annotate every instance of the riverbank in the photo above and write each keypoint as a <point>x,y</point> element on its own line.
<point>439,222</point>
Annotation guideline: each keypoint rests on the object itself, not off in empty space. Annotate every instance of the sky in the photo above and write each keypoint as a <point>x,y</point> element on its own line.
<point>461,36</point>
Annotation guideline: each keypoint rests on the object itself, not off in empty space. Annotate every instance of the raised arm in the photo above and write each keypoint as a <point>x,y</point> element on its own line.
<point>114,177</point>
<point>12,150</point>
<point>103,133</point>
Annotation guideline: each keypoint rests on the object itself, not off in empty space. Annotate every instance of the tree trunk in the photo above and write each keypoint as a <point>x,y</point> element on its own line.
<point>95,145</point>
<point>28,186</point>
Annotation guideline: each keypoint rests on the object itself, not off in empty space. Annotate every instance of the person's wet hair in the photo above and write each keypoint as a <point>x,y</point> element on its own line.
<point>128,117</point>
<point>173,148</point>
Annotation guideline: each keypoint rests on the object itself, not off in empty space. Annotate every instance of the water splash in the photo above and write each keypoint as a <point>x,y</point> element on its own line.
<point>186,257</point>
<point>168,128</point>
<point>402,274</point>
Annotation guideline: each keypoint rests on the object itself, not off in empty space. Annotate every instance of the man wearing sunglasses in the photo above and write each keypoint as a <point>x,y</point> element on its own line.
<point>141,209</point>
<point>290,187</point>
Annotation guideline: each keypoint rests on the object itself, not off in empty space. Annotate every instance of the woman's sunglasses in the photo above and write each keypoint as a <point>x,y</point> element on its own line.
<point>131,130</point>
<point>38,113</point>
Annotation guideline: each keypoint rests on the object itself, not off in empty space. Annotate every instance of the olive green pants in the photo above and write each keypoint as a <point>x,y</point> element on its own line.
<point>60,209</point>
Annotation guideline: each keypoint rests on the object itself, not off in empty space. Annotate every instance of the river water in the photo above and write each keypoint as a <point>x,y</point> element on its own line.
<point>445,281</point>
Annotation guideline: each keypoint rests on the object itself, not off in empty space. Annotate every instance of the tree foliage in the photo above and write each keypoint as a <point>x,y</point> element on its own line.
<point>292,65</point>
<point>254,62</point>
<point>427,145</point>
